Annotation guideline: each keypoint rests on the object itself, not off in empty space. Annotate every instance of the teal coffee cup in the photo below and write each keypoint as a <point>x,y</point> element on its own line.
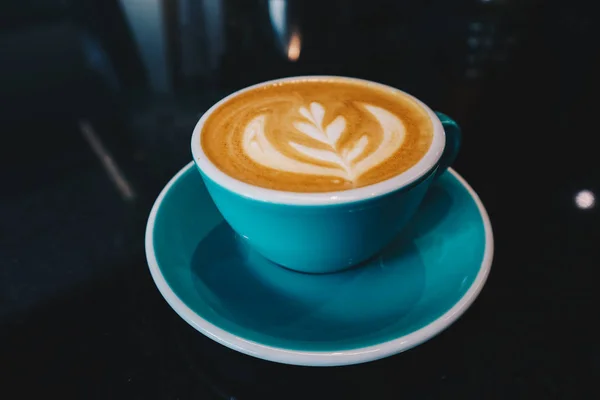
<point>331,231</point>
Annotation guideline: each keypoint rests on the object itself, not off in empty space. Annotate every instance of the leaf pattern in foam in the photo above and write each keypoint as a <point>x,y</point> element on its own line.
<point>328,135</point>
<point>319,154</point>
<point>306,114</point>
<point>311,130</point>
<point>318,112</point>
<point>351,154</point>
<point>335,129</point>
<point>262,151</point>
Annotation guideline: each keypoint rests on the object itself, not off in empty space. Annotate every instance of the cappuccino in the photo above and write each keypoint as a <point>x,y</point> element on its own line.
<point>316,135</point>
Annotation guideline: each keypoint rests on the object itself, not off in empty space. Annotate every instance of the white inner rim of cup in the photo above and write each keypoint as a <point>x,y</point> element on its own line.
<point>422,167</point>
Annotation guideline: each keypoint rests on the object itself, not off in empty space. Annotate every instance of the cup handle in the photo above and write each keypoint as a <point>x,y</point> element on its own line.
<point>453,139</point>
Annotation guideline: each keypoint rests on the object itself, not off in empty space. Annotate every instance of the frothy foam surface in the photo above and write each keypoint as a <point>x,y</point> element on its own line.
<point>317,135</point>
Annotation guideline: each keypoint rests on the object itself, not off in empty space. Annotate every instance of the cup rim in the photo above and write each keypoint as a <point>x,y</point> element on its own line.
<point>413,174</point>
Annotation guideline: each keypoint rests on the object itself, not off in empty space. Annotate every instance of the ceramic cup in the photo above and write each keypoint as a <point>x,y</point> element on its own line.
<point>326,232</point>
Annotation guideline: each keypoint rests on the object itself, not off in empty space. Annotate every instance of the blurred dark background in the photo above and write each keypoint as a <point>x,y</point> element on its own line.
<point>97,102</point>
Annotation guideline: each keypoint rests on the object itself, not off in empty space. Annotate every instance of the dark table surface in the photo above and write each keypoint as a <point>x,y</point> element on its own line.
<point>98,101</point>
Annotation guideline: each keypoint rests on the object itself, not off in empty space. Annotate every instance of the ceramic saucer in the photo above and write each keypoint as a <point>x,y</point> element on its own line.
<point>413,290</point>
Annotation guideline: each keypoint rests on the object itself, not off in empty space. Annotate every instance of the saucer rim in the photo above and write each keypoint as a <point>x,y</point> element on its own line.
<point>318,358</point>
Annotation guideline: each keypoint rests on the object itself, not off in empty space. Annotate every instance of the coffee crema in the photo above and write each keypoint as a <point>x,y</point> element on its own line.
<point>316,135</point>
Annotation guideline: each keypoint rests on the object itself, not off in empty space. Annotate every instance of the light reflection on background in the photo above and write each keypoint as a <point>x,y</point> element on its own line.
<point>585,199</point>
<point>287,33</point>
<point>294,47</point>
<point>147,24</point>
<point>278,12</point>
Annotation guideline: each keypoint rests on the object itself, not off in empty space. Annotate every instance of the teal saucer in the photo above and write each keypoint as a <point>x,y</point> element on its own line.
<point>406,295</point>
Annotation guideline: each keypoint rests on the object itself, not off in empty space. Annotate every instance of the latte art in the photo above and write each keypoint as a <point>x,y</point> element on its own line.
<point>260,150</point>
<point>316,135</point>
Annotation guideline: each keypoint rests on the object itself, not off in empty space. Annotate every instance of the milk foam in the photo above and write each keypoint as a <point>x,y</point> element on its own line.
<point>316,135</point>
<point>355,159</point>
